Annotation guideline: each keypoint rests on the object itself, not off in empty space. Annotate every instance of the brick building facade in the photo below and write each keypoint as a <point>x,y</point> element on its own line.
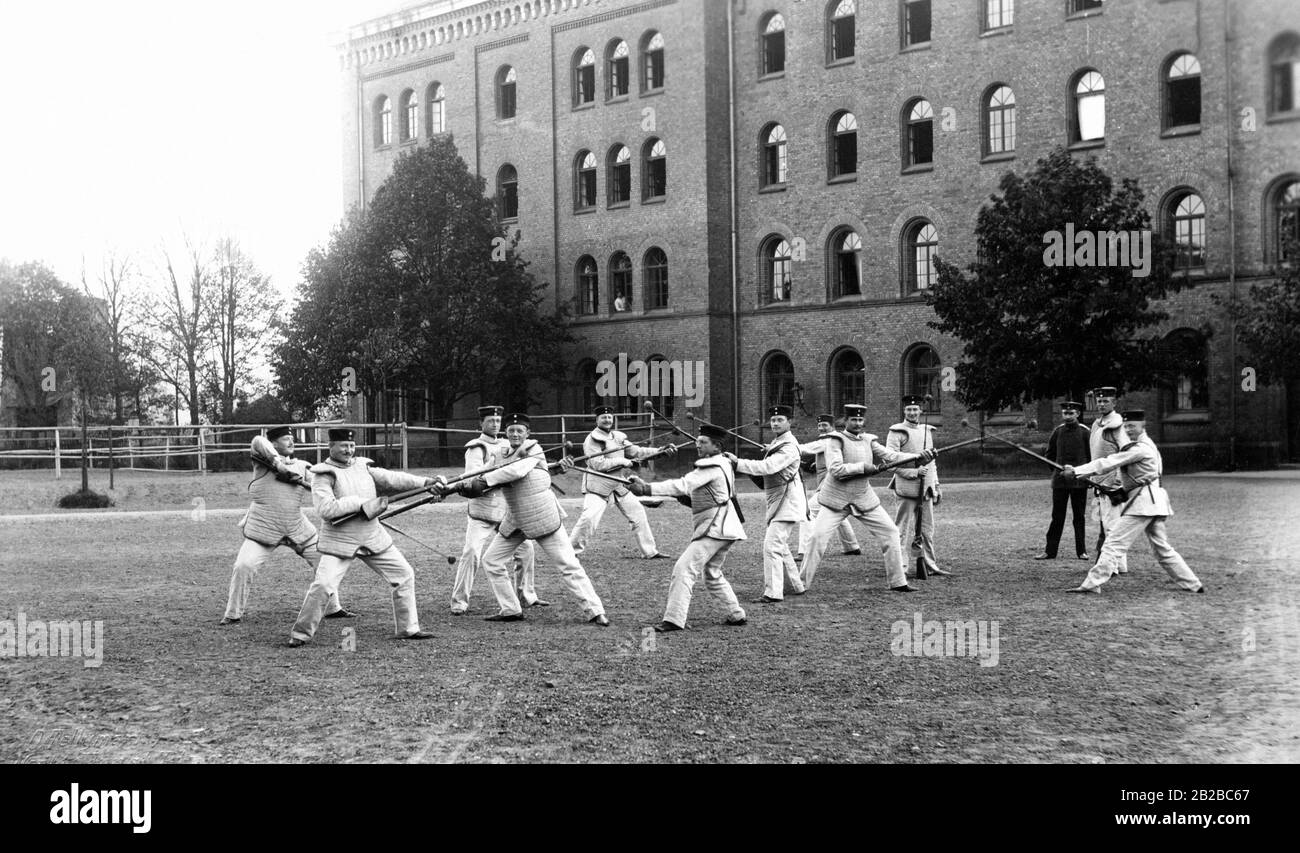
<point>764,182</point>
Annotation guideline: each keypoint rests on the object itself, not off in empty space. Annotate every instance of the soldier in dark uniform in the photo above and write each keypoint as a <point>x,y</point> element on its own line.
<point>1068,445</point>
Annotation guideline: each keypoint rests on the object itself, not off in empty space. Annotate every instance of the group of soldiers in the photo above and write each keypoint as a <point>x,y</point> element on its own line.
<point>512,510</point>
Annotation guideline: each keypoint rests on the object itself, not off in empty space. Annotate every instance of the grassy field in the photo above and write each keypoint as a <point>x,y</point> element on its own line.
<point>1140,673</point>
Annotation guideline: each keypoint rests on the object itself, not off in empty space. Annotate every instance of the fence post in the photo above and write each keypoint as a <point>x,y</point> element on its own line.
<point>406,461</point>
<point>110,456</point>
<point>203,462</point>
<point>167,451</point>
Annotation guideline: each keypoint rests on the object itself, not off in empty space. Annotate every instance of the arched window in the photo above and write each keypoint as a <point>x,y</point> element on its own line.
<point>998,14</point>
<point>845,251</point>
<point>848,379</point>
<point>918,148</point>
<point>999,120</point>
<point>1187,350</point>
<point>842,145</point>
<point>1185,225</point>
<point>508,192</point>
<point>584,181</point>
<point>588,286</point>
<point>1284,74</point>
<point>773,168</point>
<point>652,62</point>
<point>776,269</point>
<point>654,272</point>
<point>1088,118</point>
<point>437,98</point>
<point>840,30</point>
<point>617,77</point>
<point>778,382</point>
<point>410,107</point>
<point>584,76</point>
<point>383,121</point>
<point>915,25</point>
<point>506,103</point>
<point>654,169</point>
<point>922,372</point>
<point>920,246</point>
<point>662,379</point>
<point>1182,91</point>
<point>586,398</point>
<point>773,47</point>
<point>620,282</point>
<point>1285,224</point>
<point>619,178</point>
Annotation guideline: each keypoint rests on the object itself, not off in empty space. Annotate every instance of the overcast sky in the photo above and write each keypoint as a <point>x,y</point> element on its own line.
<point>126,122</point>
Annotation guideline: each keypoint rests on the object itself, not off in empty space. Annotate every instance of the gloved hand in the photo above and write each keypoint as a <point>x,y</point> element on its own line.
<point>473,488</point>
<point>1067,473</point>
<point>637,486</point>
<point>439,485</point>
<point>938,496</point>
<point>670,450</point>
<point>868,469</point>
<point>374,507</point>
<point>808,466</point>
<point>566,462</point>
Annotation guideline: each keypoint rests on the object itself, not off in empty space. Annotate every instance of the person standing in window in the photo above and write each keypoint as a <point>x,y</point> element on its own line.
<point>1068,445</point>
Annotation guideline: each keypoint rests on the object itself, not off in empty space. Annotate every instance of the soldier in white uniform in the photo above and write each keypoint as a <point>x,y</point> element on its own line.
<point>787,505</point>
<point>483,517</point>
<point>917,488</point>
<point>274,518</point>
<point>599,492</point>
<point>711,487</point>
<point>817,450</point>
<point>1144,511</point>
<point>1104,438</point>
<point>850,459</point>
<point>346,484</point>
<point>532,512</point>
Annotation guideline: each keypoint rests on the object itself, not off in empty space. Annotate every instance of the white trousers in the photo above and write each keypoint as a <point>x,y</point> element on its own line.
<point>478,534</point>
<point>252,556</point>
<point>1108,516</point>
<point>704,555</point>
<point>905,520</point>
<point>878,524</point>
<point>1123,535</point>
<point>779,567</point>
<point>848,539</point>
<point>593,509</point>
<point>557,548</point>
<point>389,564</point>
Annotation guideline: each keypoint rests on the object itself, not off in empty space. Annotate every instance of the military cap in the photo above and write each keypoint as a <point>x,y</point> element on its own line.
<point>278,432</point>
<point>1134,415</point>
<point>780,411</point>
<point>489,411</point>
<point>913,400</point>
<point>516,418</point>
<point>1072,404</point>
<point>716,433</point>
<point>1106,391</point>
<point>342,434</point>
<point>855,410</point>
<point>826,419</point>
<point>603,410</point>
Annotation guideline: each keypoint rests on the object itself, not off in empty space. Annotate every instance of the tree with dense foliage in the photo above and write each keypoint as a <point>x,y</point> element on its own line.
<point>1053,306</point>
<point>421,291</point>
